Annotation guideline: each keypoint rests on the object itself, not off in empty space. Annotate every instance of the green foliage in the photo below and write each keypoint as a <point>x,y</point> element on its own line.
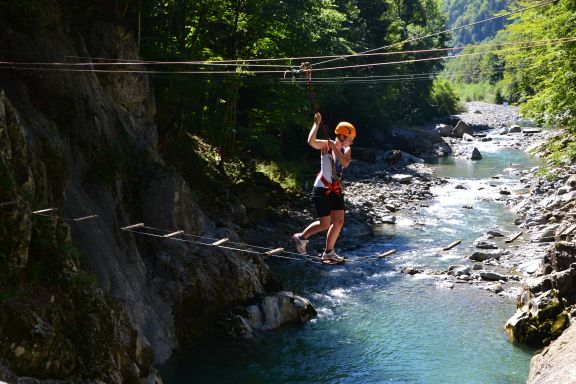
<point>463,12</point>
<point>443,98</point>
<point>474,65</point>
<point>254,115</point>
<point>290,175</point>
<point>476,92</point>
<point>543,76</point>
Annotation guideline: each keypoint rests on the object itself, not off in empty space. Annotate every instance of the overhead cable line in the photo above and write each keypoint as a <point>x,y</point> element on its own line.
<point>246,72</point>
<point>243,64</point>
<point>435,34</point>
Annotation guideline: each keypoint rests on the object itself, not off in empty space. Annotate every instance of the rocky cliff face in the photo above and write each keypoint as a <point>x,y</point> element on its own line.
<point>93,301</point>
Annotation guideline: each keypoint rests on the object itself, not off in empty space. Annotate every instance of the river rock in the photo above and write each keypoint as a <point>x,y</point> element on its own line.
<point>531,131</point>
<point>467,137</point>
<point>485,255</point>
<point>543,319</point>
<point>475,154</point>
<point>461,128</point>
<point>515,129</point>
<point>485,244</point>
<point>492,276</point>
<point>388,219</point>
<point>460,270</point>
<point>563,282</point>
<point>496,288</point>
<point>444,130</point>
<point>545,233</point>
<point>274,311</point>
<point>562,256</point>
<point>402,179</point>
<point>411,270</point>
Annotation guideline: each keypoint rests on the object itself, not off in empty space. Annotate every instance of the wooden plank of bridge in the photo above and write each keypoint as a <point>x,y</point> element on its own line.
<point>274,251</point>
<point>168,235</point>
<point>44,210</point>
<point>84,218</point>
<point>451,245</point>
<point>219,242</point>
<point>132,226</point>
<point>513,237</point>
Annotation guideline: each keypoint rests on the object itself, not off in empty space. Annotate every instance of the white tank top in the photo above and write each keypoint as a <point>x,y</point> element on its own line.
<point>327,162</point>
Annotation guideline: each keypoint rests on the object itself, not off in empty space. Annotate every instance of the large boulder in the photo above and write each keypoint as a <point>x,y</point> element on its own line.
<point>475,154</point>
<point>444,130</point>
<point>486,255</point>
<point>273,312</point>
<point>462,128</point>
<point>539,321</point>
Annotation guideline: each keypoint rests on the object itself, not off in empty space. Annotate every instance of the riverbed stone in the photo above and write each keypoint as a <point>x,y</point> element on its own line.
<point>461,129</point>
<point>492,276</point>
<point>486,255</point>
<point>402,179</point>
<point>274,311</point>
<point>540,322</point>
<point>444,130</point>
<point>475,155</point>
<point>485,244</point>
<point>544,234</point>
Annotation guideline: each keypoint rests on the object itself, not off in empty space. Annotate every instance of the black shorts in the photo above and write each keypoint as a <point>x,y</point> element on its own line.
<point>326,203</point>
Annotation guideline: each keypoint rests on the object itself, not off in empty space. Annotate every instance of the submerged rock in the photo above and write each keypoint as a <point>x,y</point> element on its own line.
<point>475,154</point>
<point>271,313</point>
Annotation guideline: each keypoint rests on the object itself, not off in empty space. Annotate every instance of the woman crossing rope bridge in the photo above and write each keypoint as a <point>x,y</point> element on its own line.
<point>328,195</point>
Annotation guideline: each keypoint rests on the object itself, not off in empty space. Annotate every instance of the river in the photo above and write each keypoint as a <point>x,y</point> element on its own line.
<point>377,325</point>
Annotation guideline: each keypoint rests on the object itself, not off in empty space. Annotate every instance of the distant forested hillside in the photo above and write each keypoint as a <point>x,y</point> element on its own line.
<point>462,12</point>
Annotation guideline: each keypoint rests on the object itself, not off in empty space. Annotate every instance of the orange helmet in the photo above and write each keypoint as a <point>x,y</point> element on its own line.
<point>346,129</point>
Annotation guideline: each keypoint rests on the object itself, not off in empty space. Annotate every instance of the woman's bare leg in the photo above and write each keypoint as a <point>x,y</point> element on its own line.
<point>322,224</point>
<point>337,220</point>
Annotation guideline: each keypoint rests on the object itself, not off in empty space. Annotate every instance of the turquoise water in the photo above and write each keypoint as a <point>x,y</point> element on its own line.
<point>376,325</point>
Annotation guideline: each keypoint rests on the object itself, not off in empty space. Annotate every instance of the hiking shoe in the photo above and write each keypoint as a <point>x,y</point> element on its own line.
<point>300,243</point>
<point>332,257</point>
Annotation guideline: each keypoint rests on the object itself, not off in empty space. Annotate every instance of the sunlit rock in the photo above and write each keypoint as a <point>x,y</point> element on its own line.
<point>461,128</point>
<point>543,319</point>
